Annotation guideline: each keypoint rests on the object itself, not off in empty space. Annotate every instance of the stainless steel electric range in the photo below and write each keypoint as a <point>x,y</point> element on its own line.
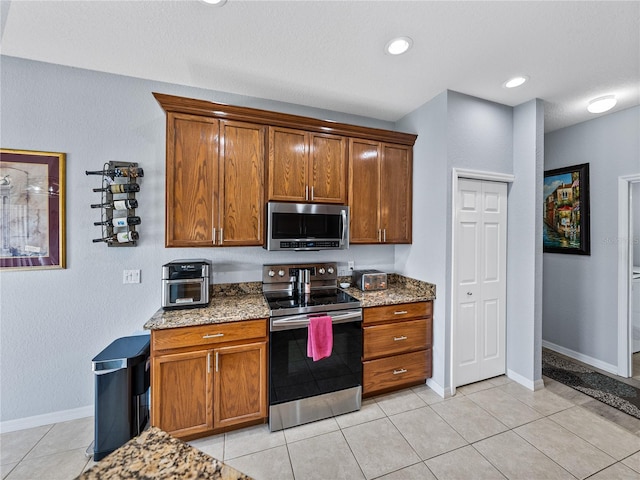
<point>302,390</point>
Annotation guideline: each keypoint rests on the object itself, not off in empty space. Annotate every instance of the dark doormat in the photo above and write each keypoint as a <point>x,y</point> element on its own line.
<point>615,393</point>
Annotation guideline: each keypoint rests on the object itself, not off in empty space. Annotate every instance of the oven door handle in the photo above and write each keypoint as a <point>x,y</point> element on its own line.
<point>303,320</point>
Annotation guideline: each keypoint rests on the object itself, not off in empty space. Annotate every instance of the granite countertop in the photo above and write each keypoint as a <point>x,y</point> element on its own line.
<point>400,289</point>
<point>233,302</point>
<point>230,302</point>
<point>155,454</point>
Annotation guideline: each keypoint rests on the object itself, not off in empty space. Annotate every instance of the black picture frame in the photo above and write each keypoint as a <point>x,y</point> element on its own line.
<point>566,210</point>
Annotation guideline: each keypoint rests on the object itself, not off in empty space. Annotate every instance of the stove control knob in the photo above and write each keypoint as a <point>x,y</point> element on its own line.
<point>321,271</point>
<point>281,273</point>
<point>272,273</point>
<point>330,270</point>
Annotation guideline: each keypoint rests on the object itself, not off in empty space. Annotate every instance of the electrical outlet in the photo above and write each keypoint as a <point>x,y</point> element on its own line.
<point>351,265</point>
<point>131,276</point>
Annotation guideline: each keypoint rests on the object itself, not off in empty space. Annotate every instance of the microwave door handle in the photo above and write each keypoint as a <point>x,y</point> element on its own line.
<point>343,214</point>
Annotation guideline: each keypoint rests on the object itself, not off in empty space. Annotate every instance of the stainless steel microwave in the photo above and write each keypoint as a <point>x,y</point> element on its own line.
<point>307,226</point>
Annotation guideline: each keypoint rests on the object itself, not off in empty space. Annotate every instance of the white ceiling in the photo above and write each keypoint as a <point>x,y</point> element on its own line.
<point>329,54</point>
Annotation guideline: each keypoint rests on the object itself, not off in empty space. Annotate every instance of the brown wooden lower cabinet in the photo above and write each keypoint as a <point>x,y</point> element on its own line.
<point>211,387</point>
<point>396,371</point>
<point>396,346</point>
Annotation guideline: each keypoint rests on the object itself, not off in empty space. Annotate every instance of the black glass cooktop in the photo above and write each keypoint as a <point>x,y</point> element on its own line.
<point>323,300</point>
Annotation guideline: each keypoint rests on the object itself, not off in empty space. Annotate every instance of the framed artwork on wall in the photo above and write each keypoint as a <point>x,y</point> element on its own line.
<point>566,210</point>
<point>32,210</point>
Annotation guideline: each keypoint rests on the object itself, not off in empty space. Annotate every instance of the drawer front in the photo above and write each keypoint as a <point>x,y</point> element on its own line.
<point>402,311</point>
<point>170,338</point>
<point>396,371</point>
<point>395,338</point>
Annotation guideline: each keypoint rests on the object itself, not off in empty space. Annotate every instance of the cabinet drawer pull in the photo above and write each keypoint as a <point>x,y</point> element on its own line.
<point>398,372</point>
<point>397,339</point>
<point>213,335</point>
<point>401,312</point>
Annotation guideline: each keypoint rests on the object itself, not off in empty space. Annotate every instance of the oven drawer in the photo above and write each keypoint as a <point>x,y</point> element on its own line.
<point>396,338</point>
<point>170,338</point>
<point>401,311</point>
<point>390,372</point>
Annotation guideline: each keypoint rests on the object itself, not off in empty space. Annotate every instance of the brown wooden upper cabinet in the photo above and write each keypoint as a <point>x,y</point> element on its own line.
<point>380,192</point>
<point>218,164</point>
<point>215,182</point>
<point>306,166</point>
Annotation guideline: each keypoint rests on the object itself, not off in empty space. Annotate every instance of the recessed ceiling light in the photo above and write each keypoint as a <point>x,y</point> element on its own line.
<point>515,82</point>
<point>602,104</point>
<point>398,45</point>
<point>217,3</point>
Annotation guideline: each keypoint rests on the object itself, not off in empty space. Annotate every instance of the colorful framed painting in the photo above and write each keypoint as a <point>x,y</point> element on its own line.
<point>566,210</point>
<point>32,210</point>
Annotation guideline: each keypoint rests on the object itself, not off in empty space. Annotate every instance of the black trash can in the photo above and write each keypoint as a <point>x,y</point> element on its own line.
<point>121,393</point>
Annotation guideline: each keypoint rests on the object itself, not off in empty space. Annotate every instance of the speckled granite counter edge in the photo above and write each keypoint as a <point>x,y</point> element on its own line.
<point>234,302</point>
<point>156,454</point>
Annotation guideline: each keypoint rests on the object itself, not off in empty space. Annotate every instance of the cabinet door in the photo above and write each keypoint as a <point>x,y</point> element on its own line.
<point>288,163</point>
<point>240,385</point>
<point>328,156</point>
<point>182,388</point>
<point>396,193</point>
<point>192,176</point>
<point>241,193</point>
<point>364,188</point>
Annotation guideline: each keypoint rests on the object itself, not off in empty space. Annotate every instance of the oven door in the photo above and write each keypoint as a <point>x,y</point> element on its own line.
<point>294,376</point>
<point>185,293</point>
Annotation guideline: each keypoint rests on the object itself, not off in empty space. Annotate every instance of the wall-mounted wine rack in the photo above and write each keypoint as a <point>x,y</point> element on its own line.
<point>118,203</point>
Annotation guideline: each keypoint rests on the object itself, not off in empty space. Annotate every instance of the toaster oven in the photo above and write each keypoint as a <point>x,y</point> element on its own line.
<point>185,284</point>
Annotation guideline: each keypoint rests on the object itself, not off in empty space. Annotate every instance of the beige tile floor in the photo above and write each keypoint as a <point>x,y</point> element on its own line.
<point>491,429</point>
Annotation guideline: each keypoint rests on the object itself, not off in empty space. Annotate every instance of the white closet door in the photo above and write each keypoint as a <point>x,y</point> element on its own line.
<point>480,281</point>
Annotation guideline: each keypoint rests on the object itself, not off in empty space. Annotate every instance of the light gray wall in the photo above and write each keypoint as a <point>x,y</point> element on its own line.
<point>460,131</point>
<point>55,321</point>
<point>580,292</point>
<point>635,211</point>
<point>524,244</point>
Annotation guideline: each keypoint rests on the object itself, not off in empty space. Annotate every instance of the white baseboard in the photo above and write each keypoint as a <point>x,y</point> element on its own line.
<point>46,419</point>
<point>525,382</point>
<point>594,362</point>
<point>439,389</point>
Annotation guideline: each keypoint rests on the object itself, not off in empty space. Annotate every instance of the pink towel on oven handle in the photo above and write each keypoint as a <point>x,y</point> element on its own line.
<point>320,337</point>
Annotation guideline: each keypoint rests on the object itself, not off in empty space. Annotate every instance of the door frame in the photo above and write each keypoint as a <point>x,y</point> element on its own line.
<point>625,264</point>
<point>457,173</point>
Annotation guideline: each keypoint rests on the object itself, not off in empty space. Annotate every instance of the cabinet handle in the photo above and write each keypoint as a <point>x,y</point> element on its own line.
<point>213,335</point>
<point>400,312</point>
<point>312,193</point>
<point>306,192</point>
<point>379,235</point>
<point>397,339</point>
<point>217,362</point>
<point>214,236</point>
<point>384,235</point>
<point>221,236</point>
<point>398,372</point>
<point>209,362</point>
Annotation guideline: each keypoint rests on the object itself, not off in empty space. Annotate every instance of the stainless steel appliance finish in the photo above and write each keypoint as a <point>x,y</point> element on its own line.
<point>369,280</point>
<point>185,284</point>
<point>307,226</point>
<point>301,390</point>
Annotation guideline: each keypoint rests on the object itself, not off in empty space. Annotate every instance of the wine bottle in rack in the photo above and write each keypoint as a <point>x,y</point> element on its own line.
<point>119,188</point>
<point>121,237</point>
<point>125,204</point>
<point>120,221</point>
<point>132,172</point>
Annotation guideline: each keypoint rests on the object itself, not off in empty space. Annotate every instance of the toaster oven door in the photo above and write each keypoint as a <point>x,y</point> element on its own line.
<point>185,293</point>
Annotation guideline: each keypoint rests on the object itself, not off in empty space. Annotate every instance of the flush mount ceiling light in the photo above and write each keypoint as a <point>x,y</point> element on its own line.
<point>217,3</point>
<point>398,45</point>
<point>515,82</point>
<point>602,104</point>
